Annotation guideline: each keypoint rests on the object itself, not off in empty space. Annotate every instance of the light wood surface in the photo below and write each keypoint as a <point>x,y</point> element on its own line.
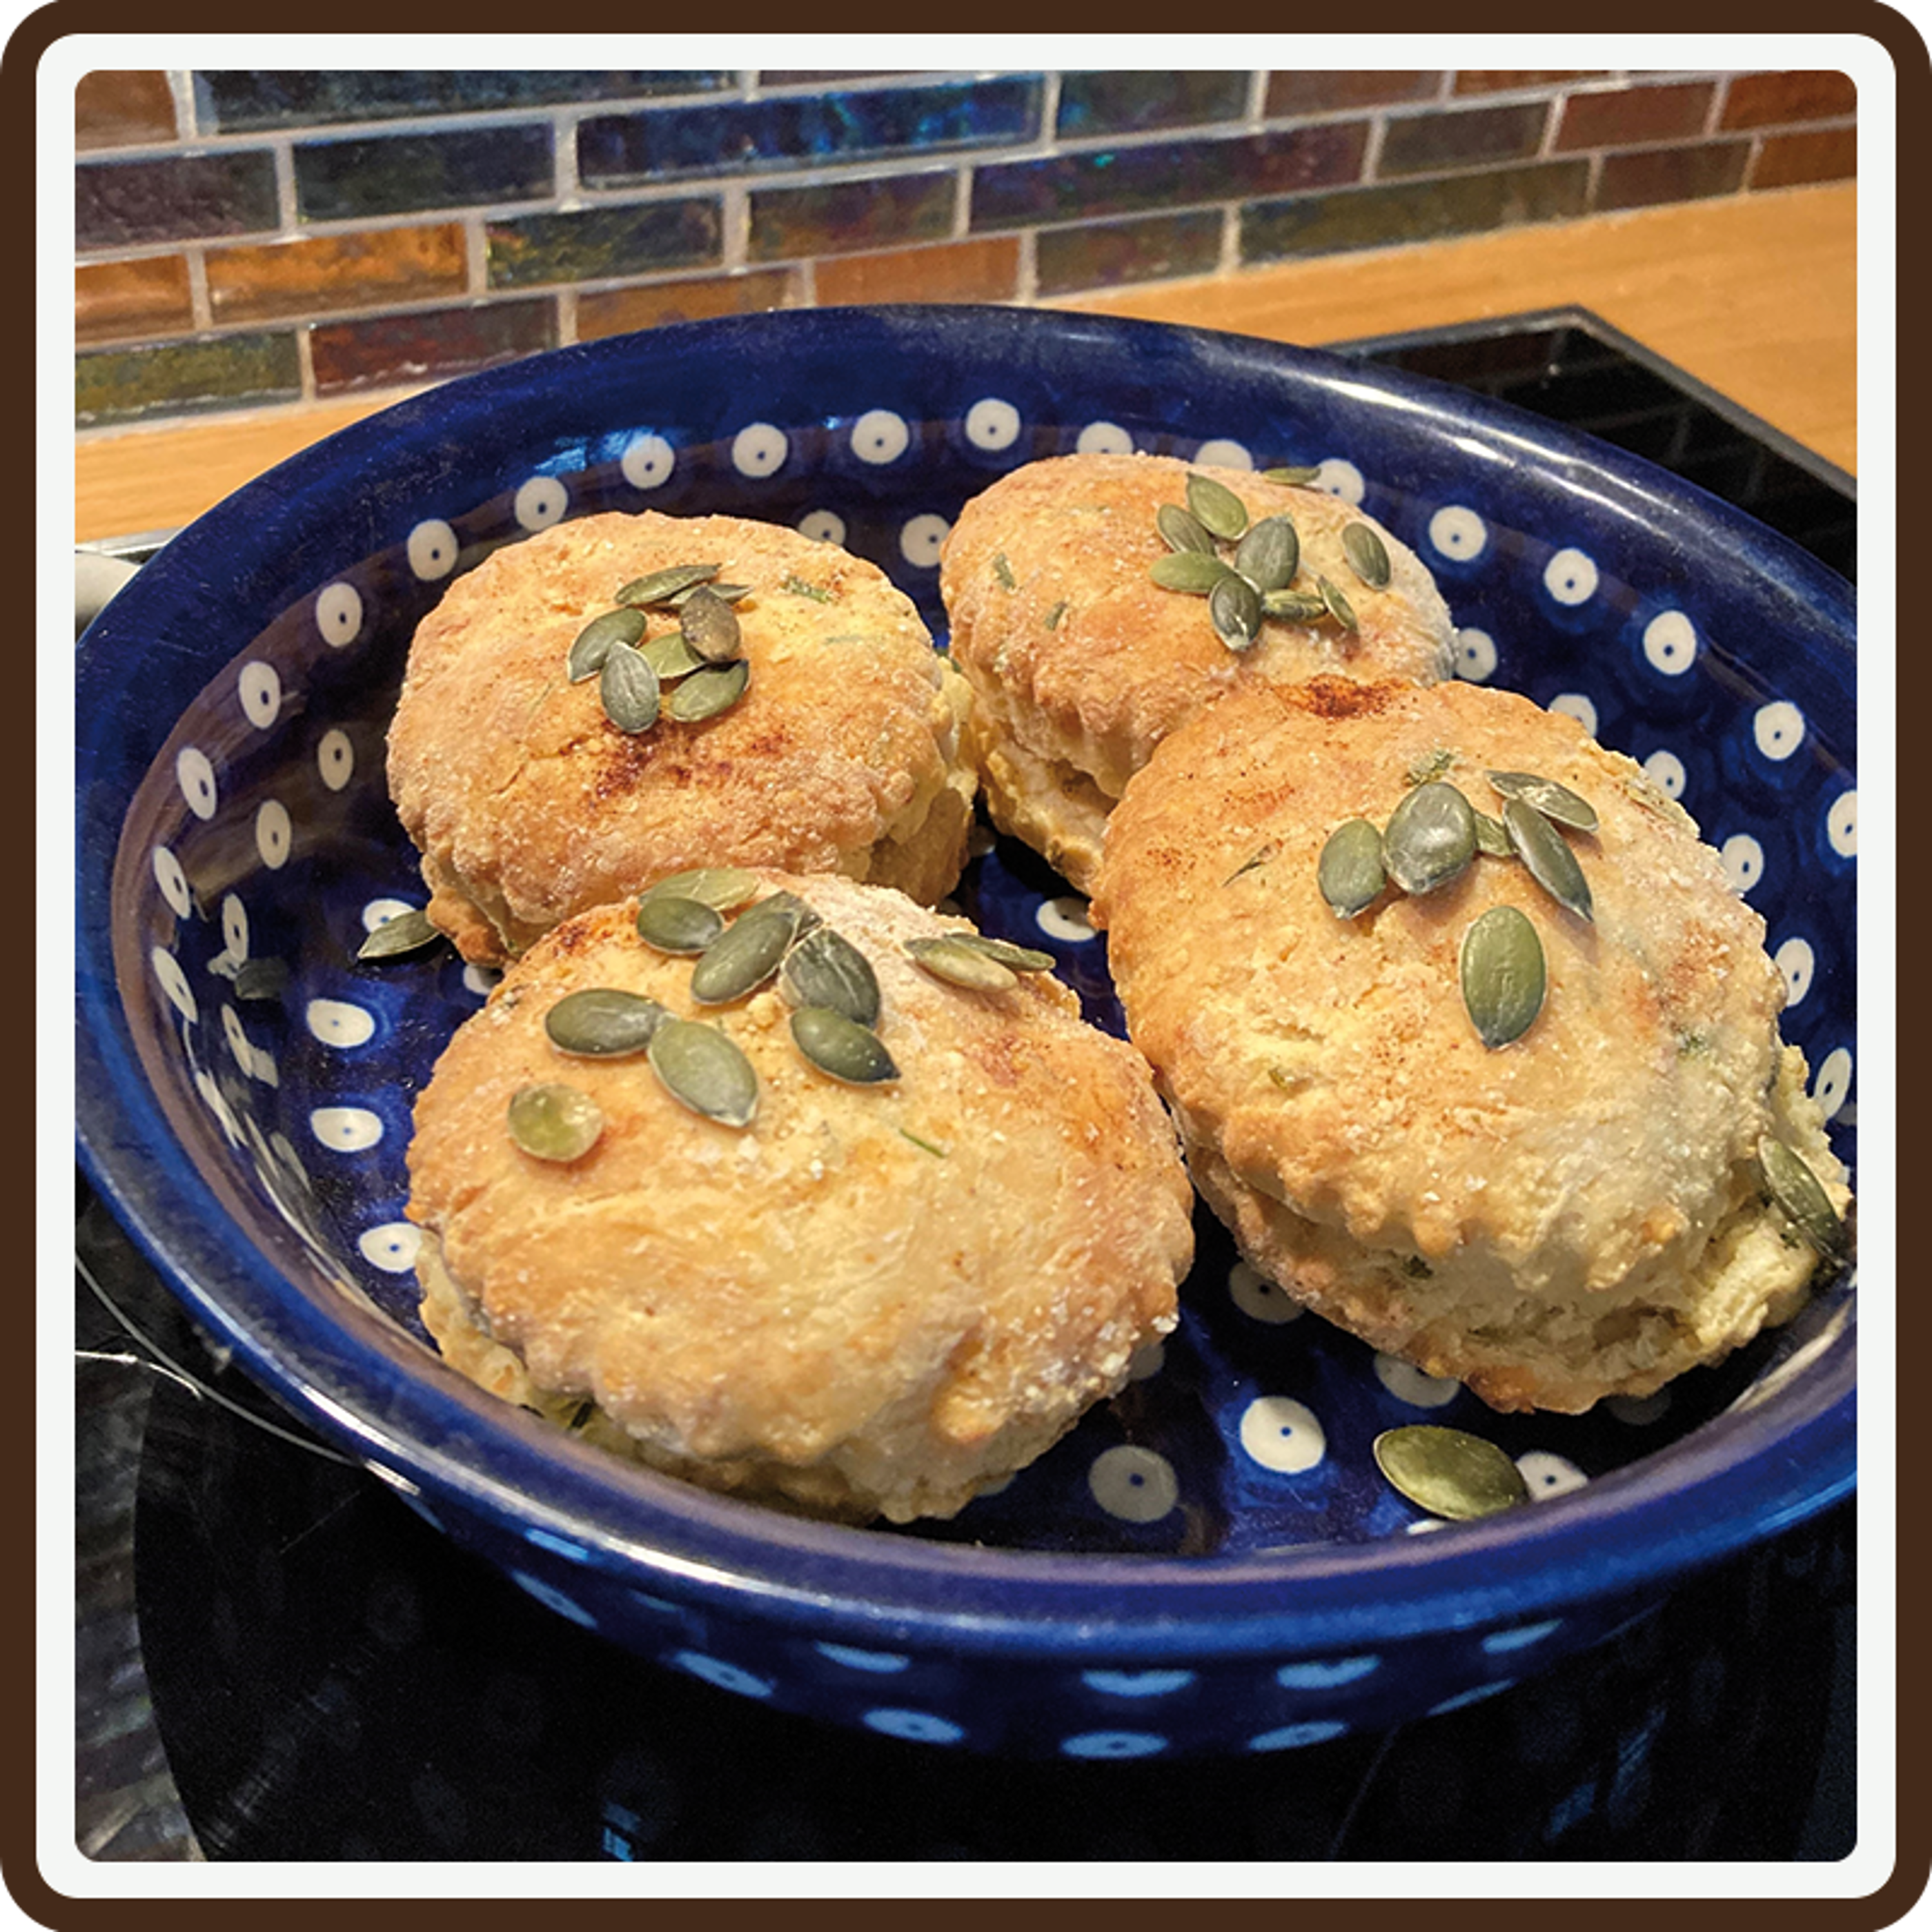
<point>1754,294</point>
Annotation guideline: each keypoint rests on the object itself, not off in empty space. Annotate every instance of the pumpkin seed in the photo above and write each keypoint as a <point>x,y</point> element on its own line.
<point>1270,554</point>
<point>1434,764</point>
<point>1492,837</point>
<point>1337,606</point>
<point>826,970</point>
<point>1300,474</point>
<point>1551,863</point>
<point>601,1022</point>
<point>705,1070</point>
<point>1297,607</point>
<point>840,1045</point>
<point>667,923</point>
<point>723,888</point>
<point>628,688</point>
<point>1553,800</point>
<point>1367,554</point>
<point>1234,609</point>
<point>748,952</point>
<point>1017,958</point>
<point>659,587</point>
<point>708,691</point>
<point>670,657</point>
<point>1190,570</point>
<point>1054,616</point>
<point>1449,1472</point>
<point>947,957</point>
<point>550,1121</point>
<point>261,979</point>
<point>1430,837</point>
<point>407,932</point>
<point>1182,529</point>
<point>1503,975</point>
<point>1002,571</point>
<point>1350,870</point>
<point>710,626</point>
<point>1801,1195</point>
<point>1218,510</point>
<point>597,639</point>
<point>732,593</point>
<point>798,587</point>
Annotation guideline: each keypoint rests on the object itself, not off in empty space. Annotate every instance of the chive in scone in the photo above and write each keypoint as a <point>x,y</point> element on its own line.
<point>1470,1042</point>
<point>837,1207</point>
<point>1079,592</point>
<point>619,697</point>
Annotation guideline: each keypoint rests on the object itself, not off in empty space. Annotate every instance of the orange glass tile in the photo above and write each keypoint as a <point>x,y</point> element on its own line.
<point>604,312</point>
<point>1626,115</point>
<point>327,275</point>
<point>129,302</point>
<point>1500,80</point>
<point>984,270</point>
<point>115,107</point>
<point>1765,100</point>
<point>1823,154</point>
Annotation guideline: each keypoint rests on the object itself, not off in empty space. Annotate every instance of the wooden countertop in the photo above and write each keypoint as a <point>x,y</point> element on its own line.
<point>1754,294</point>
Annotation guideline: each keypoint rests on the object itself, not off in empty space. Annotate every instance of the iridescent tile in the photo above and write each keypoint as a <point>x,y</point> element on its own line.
<point>1821,154</point>
<point>114,301</point>
<point>398,174</point>
<point>1768,100</point>
<point>1647,177</point>
<point>987,270</point>
<point>1323,90</point>
<point>176,198</point>
<point>316,274</point>
<point>179,378</point>
<point>603,243</point>
<point>1097,255</point>
<point>601,312</point>
<point>841,217</point>
<point>1421,144</point>
<point>426,345</point>
<point>1092,105</point>
<point>226,100</point>
<point>116,107</point>
<point>1619,116</point>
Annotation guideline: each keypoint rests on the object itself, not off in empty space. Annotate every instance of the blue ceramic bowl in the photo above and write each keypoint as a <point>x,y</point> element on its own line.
<point>1209,1563</point>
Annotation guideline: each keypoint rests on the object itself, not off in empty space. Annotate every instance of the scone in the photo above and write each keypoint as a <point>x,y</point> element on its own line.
<point>877,1296</point>
<point>529,803</point>
<point>1080,663</point>
<point>1549,1189</point>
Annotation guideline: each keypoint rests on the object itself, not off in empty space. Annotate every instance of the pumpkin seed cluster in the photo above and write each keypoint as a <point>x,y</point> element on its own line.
<point>704,657</point>
<point>1246,569</point>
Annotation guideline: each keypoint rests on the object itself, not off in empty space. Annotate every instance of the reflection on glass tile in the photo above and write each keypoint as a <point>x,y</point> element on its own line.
<point>116,385</point>
<point>1647,176</point>
<point>803,130</point>
<point>601,312</point>
<point>1096,255</point>
<point>603,244</point>
<point>117,107</point>
<point>843,216</point>
<point>114,300</point>
<point>431,343</point>
<point>1096,104</point>
<point>226,100</point>
<point>315,274</point>
<point>396,174</point>
<point>982,270</point>
<point>178,198</point>
<point>1463,137</point>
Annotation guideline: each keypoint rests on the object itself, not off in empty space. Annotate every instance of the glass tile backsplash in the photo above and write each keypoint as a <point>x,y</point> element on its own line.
<point>252,237</point>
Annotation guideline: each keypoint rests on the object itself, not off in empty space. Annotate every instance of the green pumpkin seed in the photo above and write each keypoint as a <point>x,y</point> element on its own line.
<point>550,1121</point>
<point>601,1022</point>
<point>1553,800</point>
<point>627,688</point>
<point>706,692</point>
<point>667,923</point>
<point>1218,510</point>
<point>670,657</point>
<point>261,979</point>
<point>407,932</point>
<point>1801,1195</point>
<point>825,969</point>
<point>1337,606</point>
<point>1491,836</point>
<point>947,957</point>
<point>1350,870</point>
<point>1299,474</point>
<point>840,1045</point>
<point>1367,554</point>
<point>1002,571</point>
<point>1295,606</point>
<point>597,638</point>
<point>705,1070</point>
<point>732,593</point>
<point>1449,1472</point>
<point>1270,554</point>
<point>748,952</point>
<point>661,585</point>
<point>723,888</point>
<point>798,587</point>
<point>1189,570</point>
<point>1234,609</point>
<point>1431,836</point>
<point>710,626</point>
<point>1054,616</point>
<point>1550,862</point>
<point>1016,959</point>
<point>1503,975</point>
<point>1434,764</point>
<point>1182,529</point>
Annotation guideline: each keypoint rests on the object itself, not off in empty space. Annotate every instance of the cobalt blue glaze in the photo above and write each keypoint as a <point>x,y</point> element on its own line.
<point>1209,1563</point>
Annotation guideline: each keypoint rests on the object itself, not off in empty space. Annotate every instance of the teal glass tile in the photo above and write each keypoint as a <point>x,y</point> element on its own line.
<point>1094,105</point>
<point>229,99</point>
<point>426,345</point>
<point>805,130</point>
<point>398,174</point>
<point>597,244</point>
<point>175,198</point>
<point>839,216</point>
<point>1422,144</point>
<point>184,378</point>
<point>1099,254</point>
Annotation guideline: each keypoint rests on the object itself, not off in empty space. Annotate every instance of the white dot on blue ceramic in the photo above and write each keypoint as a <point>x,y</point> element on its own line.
<point>195,776</point>
<point>1258,1297</point>
<point>921,540</point>
<point>379,912</point>
<point>431,549</point>
<point>647,462</point>
<point>1457,531</point>
<point>1472,1696</point>
<point>1575,704</point>
<point>882,1663</point>
<point>1841,824</point>
<point>822,526</point>
<point>482,980</point>
<point>1743,858</point>
<point>918,1727</point>
<point>1136,1484</point>
<point>991,423</point>
<point>237,1038</point>
<point>392,1246</point>
<point>1795,960</point>
<point>1475,655</point>
<point>335,760</point>
<point>1223,452</point>
<point>759,449</point>
<point>262,1066</point>
<point>1548,1475</point>
<point>1833,1082</point>
<point>1137,1683</point>
<point>1282,1435</point>
<point>1636,1410</point>
<point>1665,770</point>
<point>260,687</point>
<point>1103,439</point>
<point>1670,643</point>
<point>347,1130</point>
<point>274,834</point>
<point>174,982</point>
<point>726,1676</point>
<point>1415,1387</point>
<point>1146,1361</point>
<point>235,926</point>
<point>1064,918</point>
<point>1325,1673</point>
<point>1498,1642</point>
<point>1570,577</point>
<point>1778,729</point>
<point>540,502</point>
<point>338,615</point>
<point>548,1594</point>
<point>879,436</point>
<point>339,1023</point>
<point>1113,1743</point>
<point>173,881</point>
<point>1294,1737</point>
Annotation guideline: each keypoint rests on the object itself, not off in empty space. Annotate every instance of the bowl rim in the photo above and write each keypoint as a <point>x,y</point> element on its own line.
<point>1628,1531</point>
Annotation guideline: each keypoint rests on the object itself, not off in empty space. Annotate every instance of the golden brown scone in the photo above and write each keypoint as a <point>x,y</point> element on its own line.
<point>872,1300</point>
<point>1080,665</point>
<point>1576,1214</point>
<point>528,805</point>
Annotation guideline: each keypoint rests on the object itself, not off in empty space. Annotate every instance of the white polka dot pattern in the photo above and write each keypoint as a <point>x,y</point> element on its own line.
<point>1258,1298</point>
<point>1778,729</point>
<point>432,550</point>
<point>275,835</point>
<point>1475,655</point>
<point>337,1023</point>
<point>540,502</point>
<point>338,615</point>
<point>1571,578</point>
<point>1575,704</point>
<point>921,539</point>
<point>1064,918</point>
<point>1665,770</point>
<point>1408,1384</point>
<point>759,449</point>
<point>392,1247</point>
<point>1282,1435</point>
<point>879,436</point>
<point>1795,960</point>
<point>991,423</point>
<point>196,777</point>
<point>1549,1474</point>
<point>1670,643</point>
<point>1457,532</point>
<point>260,688</point>
<point>1104,438</point>
<point>335,759</point>
<point>647,462</point>
<point>1340,478</point>
<point>1222,452</point>
<point>347,1130</point>
<point>1135,1484</point>
<point>1743,858</point>
<point>822,526</point>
